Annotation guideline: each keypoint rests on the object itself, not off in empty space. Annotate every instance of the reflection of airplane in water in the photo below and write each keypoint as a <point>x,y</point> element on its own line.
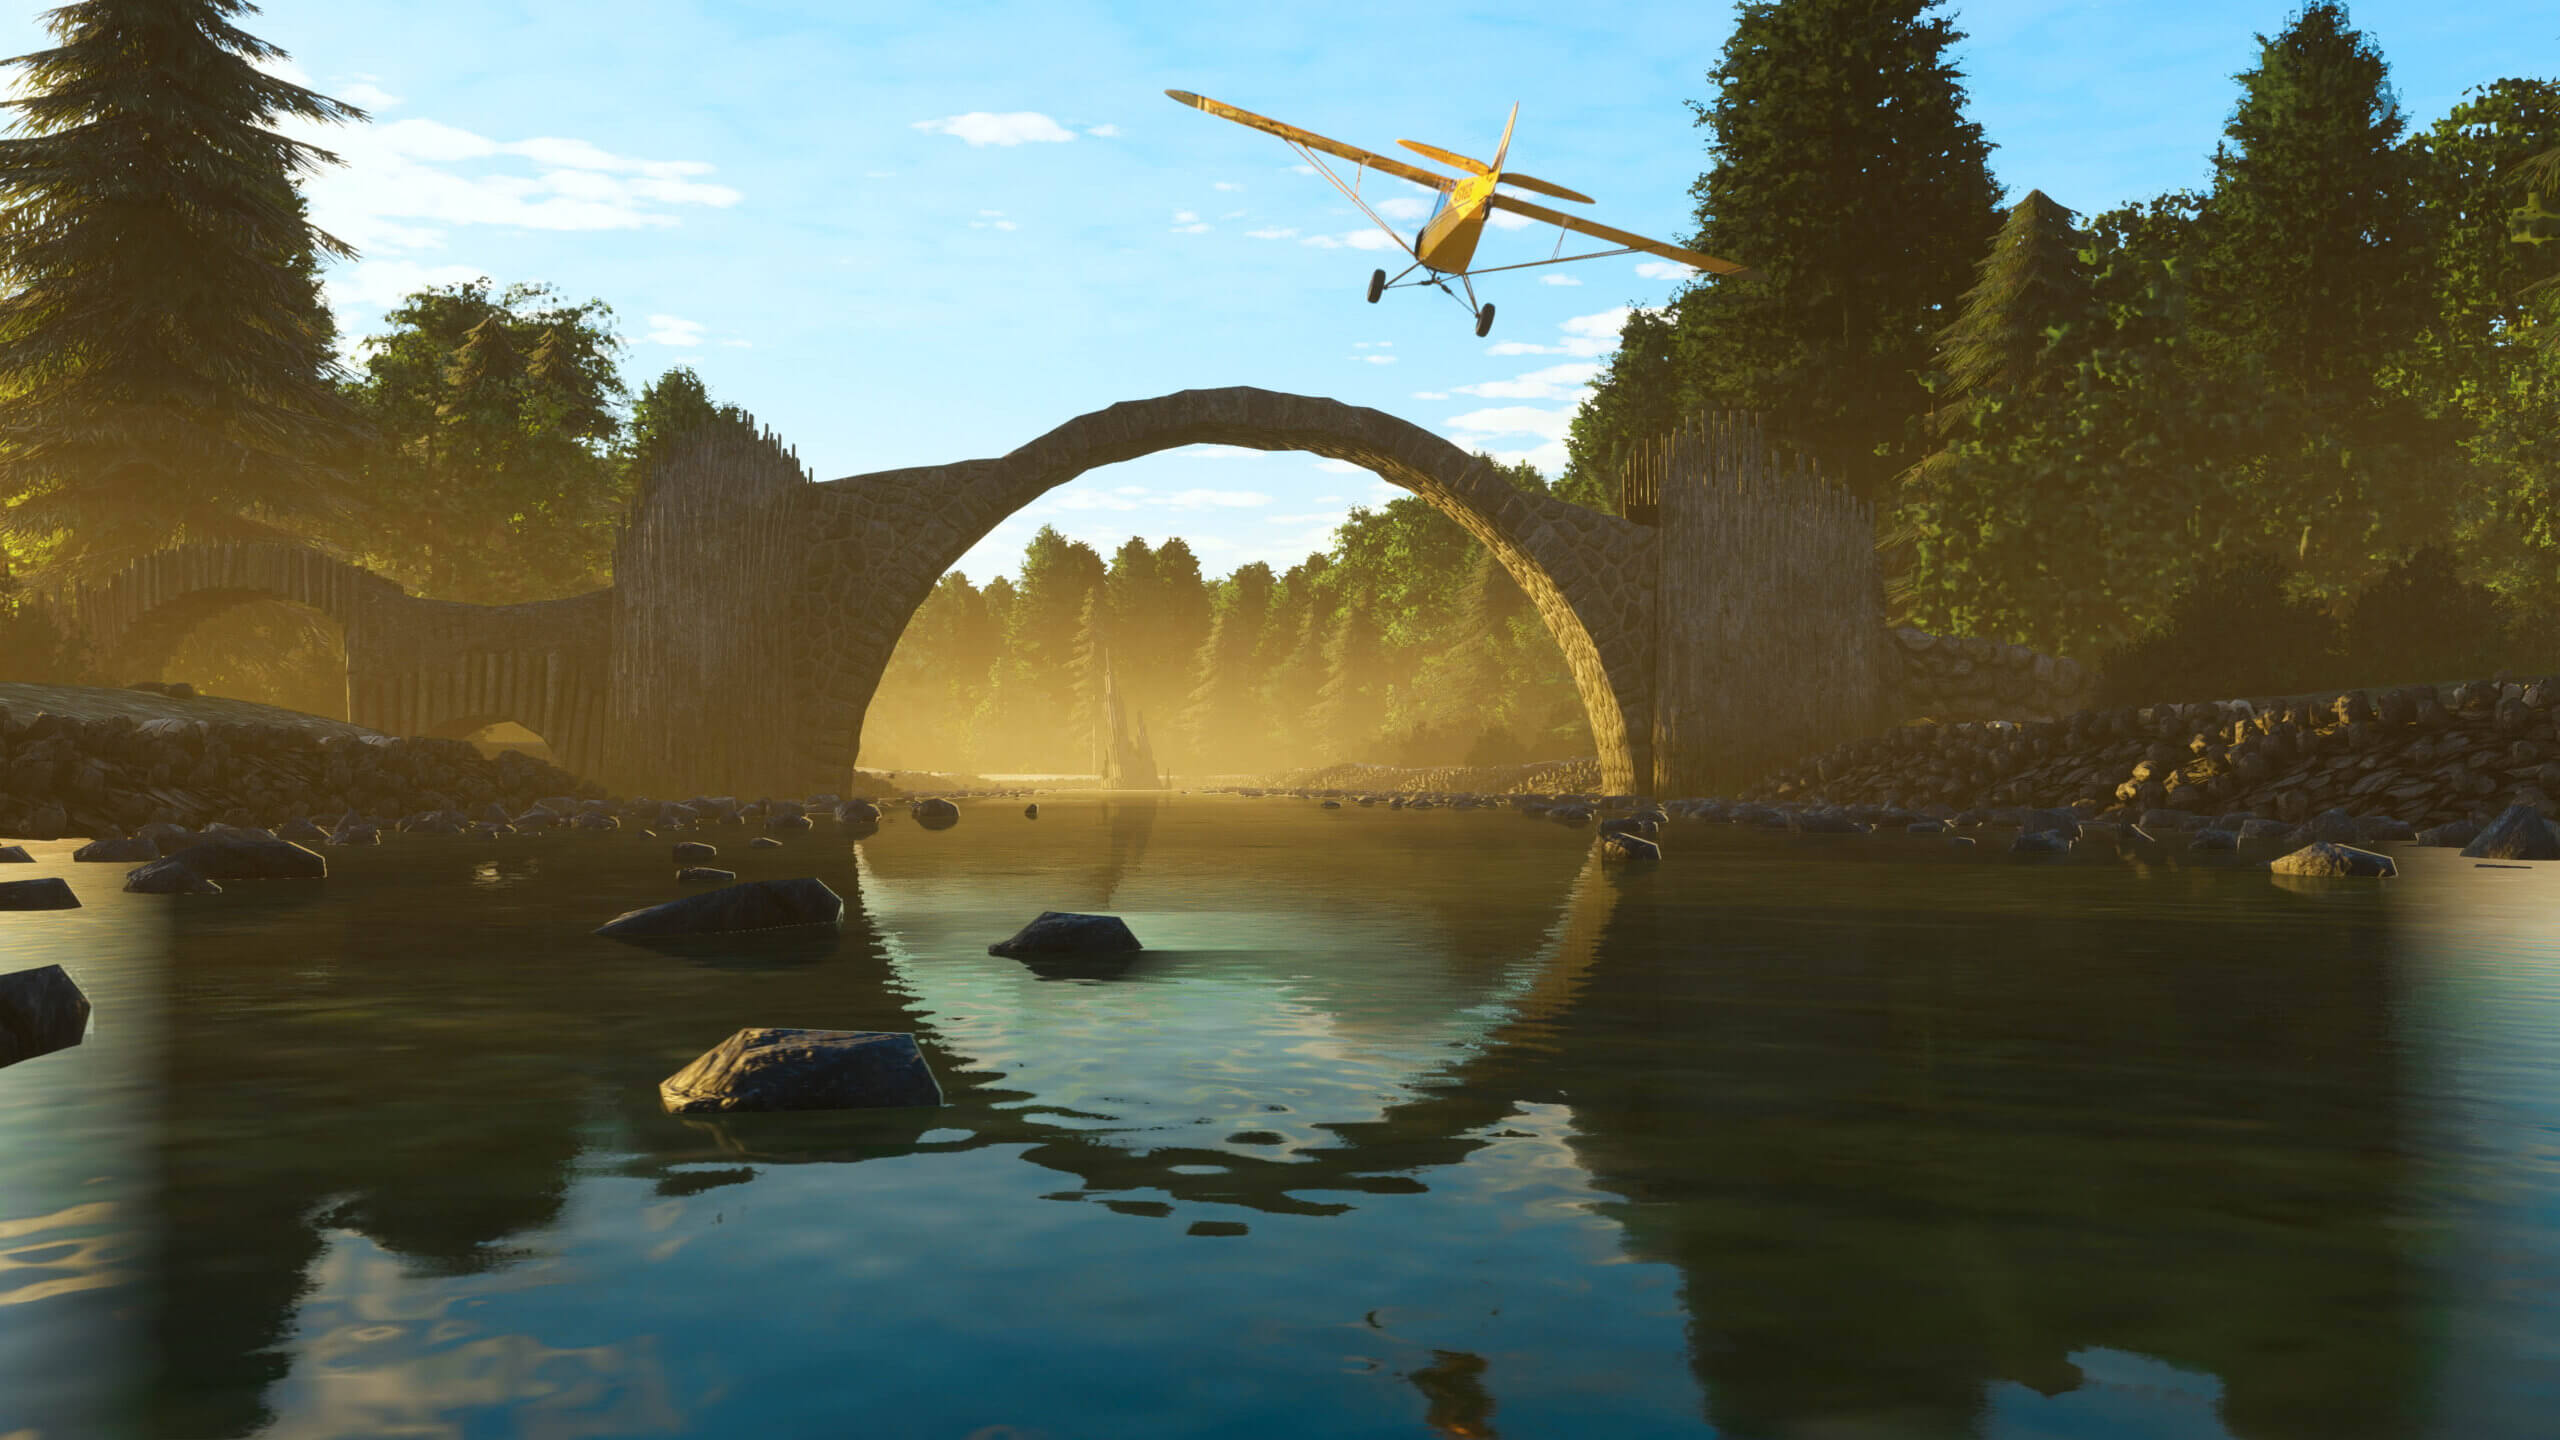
<point>1895,1181</point>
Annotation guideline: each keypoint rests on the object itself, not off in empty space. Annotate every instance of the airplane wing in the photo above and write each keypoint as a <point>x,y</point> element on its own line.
<point>1314,141</point>
<point>1695,258</point>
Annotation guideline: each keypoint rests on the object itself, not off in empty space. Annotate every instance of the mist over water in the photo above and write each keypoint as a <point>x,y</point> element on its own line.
<point>1404,1123</point>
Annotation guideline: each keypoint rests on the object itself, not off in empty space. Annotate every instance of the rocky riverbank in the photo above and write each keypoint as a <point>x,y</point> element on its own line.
<point>2425,754</point>
<point>101,762</point>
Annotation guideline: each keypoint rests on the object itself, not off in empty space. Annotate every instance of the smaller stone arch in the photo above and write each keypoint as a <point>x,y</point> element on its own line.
<point>136,619</point>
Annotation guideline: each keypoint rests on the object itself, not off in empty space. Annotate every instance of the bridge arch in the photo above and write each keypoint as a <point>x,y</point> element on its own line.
<point>136,619</point>
<point>882,540</point>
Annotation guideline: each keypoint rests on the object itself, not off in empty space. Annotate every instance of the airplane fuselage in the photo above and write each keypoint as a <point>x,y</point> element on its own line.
<point>1448,243</point>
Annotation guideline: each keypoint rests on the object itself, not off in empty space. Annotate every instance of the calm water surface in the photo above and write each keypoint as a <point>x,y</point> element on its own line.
<point>1405,1123</point>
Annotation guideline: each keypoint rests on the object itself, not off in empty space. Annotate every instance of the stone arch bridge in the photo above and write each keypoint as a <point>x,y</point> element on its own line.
<point>753,611</point>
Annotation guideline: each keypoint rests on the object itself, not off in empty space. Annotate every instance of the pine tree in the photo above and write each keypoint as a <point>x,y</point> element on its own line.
<point>1351,702</point>
<point>1224,724</point>
<point>2308,257</point>
<point>169,364</point>
<point>2026,321</point>
<point>1846,172</point>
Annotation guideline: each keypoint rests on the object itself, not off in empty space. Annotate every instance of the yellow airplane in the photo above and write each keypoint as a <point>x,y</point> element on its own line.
<point>1446,244</point>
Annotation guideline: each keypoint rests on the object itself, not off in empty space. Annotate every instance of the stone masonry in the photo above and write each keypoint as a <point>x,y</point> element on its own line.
<point>754,611</point>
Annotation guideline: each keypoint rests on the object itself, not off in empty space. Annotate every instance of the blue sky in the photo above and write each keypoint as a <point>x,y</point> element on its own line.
<point>905,235</point>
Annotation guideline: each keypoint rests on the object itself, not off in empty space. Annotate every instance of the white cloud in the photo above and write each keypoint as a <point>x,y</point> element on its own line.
<point>1505,220</point>
<point>1376,359</point>
<point>1559,278</point>
<point>1228,185</point>
<point>673,330</point>
<point>992,224</point>
<point>1404,207</point>
<point>1300,169</point>
<point>364,94</point>
<point>1430,395</point>
<point>1102,132</point>
<point>1514,420</point>
<point>1089,500</point>
<point>1595,334</point>
<point>1665,270</point>
<point>1340,467</point>
<point>1354,240</point>
<point>1128,489</point>
<point>1017,127</point>
<point>1553,383</point>
<point>1183,217</point>
<point>1274,233</point>
<point>385,283</point>
<point>404,184</point>
<point>1232,215</point>
<point>1194,228</point>
<point>1216,499</point>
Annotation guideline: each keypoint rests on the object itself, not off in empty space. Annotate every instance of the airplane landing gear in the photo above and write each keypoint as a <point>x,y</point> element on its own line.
<point>1484,320</point>
<point>1377,285</point>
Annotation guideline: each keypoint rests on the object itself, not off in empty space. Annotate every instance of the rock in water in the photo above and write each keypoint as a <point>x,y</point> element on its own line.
<point>754,905</point>
<point>1063,932</point>
<point>116,851</point>
<point>935,814</point>
<point>2519,833</point>
<point>1620,846</point>
<point>229,857</point>
<point>772,1069</point>
<point>356,833</point>
<point>2040,842</point>
<point>689,851</point>
<point>15,855</point>
<point>862,810</point>
<point>50,892</point>
<point>765,842</point>
<point>41,1011</point>
<point>705,875</point>
<point>2327,857</point>
<point>168,877</point>
<point>1030,812</point>
<point>301,831</point>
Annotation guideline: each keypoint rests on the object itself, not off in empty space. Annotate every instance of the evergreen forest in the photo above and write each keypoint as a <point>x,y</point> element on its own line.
<point>2297,427</point>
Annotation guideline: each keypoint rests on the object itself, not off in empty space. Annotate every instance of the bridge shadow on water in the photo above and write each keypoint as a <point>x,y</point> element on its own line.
<point>1895,1181</point>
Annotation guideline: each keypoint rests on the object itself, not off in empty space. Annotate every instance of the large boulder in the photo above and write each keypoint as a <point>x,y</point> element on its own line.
<point>41,1011</point>
<point>168,877</point>
<point>688,852</point>
<point>754,905</point>
<point>2327,858</point>
<point>231,857</point>
<point>301,830</point>
<point>1620,847</point>
<point>116,851</point>
<point>858,810</point>
<point>47,892</point>
<point>2519,833</point>
<point>935,814</point>
<point>1063,932</point>
<point>775,1069</point>
<point>15,855</point>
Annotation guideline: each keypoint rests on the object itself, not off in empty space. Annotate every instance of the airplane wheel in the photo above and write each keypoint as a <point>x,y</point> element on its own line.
<point>1484,320</point>
<point>1377,285</point>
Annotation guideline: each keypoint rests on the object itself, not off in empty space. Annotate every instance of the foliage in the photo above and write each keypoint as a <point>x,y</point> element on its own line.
<point>2418,622</point>
<point>498,443</point>
<point>35,647</point>
<point>169,362</point>
<point>2234,630</point>
<point>1846,174</point>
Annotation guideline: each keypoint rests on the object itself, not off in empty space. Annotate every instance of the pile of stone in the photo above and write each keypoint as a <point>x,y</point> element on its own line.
<point>60,775</point>
<point>2424,754</point>
<point>1532,778</point>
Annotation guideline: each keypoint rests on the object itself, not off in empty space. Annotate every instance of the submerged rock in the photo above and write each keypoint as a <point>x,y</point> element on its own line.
<point>705,875</point>
<point>2452,835</point>
<point>47,892</point>
<point>2519,833</point>
<point>1621,847</point>
<point>116,851</point>
<point>168,877</point>
<point>776,1069</point>
<point>356,833</point>
<point>753,905</point>
<point>15,855</point>
<point>858,810</point>
<point>2040,842</point>
<point>935,814</point>
<point>689,851</point>
<point>2326,857</point>
<point>2215,839</point>
<point>41,1011</point>
<point>764,842</point>
<point>301,831</point>
<point>231,857</point>
<point>1064,932</point>
<point>1031,812</point>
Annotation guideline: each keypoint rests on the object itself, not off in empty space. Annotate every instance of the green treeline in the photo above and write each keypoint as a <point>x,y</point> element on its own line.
<point>1406,643</point>
<point>2335,355</point>
<point>2257,423</point>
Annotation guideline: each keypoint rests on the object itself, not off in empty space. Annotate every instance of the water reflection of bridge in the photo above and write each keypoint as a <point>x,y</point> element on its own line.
<point>1877,1171</point>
